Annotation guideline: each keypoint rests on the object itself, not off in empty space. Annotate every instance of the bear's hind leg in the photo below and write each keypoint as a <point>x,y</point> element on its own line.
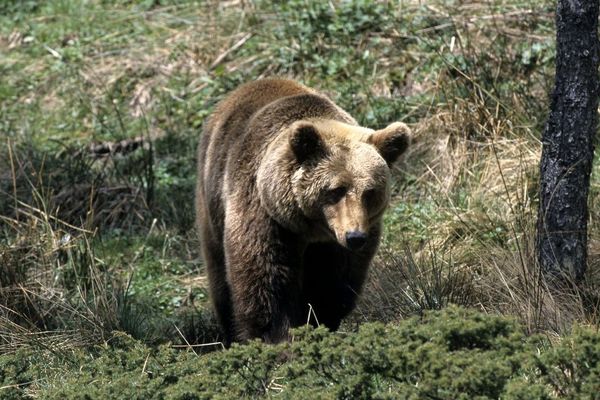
<point>220,294</point>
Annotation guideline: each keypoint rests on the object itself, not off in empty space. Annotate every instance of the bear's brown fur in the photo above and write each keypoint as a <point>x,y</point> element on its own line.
<point>289,200</point>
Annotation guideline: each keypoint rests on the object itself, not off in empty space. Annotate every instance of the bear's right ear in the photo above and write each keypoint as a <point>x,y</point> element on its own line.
<point>306,142</point>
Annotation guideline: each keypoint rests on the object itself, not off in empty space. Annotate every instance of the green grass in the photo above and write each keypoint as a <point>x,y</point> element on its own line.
<point>91,246</point>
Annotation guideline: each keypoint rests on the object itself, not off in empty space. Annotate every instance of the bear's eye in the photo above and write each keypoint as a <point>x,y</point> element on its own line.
<point>333,196</point>
<point>370,196</point>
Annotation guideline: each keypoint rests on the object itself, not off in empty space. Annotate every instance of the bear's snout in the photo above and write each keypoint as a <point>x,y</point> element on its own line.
<point>355,240</point>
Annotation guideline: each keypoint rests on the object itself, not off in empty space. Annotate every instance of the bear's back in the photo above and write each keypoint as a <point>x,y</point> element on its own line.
<point>231,115</point>
<point>225,129</point>
<point>230,119</point>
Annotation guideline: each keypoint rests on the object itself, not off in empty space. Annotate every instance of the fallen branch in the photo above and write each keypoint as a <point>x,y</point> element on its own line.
<point>124,146</point>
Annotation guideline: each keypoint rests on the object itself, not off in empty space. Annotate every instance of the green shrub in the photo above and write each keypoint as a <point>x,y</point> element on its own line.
<point>451,354</point>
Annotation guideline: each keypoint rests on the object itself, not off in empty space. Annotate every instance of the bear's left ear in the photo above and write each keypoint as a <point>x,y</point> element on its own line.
<point>306,142</point>
<point>391,141</point>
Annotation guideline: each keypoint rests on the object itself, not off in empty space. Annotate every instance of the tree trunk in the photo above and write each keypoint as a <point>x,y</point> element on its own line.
<point>568,147</point>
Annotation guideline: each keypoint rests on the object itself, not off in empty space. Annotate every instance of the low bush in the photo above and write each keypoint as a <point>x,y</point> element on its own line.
<point>455,353</point>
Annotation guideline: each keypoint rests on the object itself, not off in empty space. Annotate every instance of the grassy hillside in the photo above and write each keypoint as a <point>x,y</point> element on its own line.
<point>101,281</point>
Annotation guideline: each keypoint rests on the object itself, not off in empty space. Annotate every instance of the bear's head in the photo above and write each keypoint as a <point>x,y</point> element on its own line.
<point>329,180</point>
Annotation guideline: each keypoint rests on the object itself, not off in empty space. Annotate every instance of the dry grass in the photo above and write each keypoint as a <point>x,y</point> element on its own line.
<point>403,284</point>
<point>75,187</point>
<point>480,169</point>
<point>475,159</point>
<point>57,293</point>
<point>54,293</point>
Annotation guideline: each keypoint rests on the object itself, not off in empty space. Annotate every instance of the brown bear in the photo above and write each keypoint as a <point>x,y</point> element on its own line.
<point>289,200</point>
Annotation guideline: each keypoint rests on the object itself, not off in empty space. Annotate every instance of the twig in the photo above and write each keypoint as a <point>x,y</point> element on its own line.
<point>311,311</point>
<point>198,345</point>
<point>18,384</point>
<point>230,50</point>
<point>188,345</point>
<point>14,177</point>
<point>145,363</point>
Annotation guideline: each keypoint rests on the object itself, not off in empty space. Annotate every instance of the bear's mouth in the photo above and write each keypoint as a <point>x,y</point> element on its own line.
<point>340,239</point>
<point>331,234</point>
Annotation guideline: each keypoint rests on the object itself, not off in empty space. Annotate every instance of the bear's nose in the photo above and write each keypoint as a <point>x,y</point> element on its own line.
<point>356,239</point>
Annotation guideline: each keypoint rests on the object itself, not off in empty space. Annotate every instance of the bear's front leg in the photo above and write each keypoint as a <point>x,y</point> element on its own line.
<point>263,270</point>
<point>334,276</point>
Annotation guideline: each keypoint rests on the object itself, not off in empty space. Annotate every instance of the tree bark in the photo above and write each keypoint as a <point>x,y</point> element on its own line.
<point>568,147</point>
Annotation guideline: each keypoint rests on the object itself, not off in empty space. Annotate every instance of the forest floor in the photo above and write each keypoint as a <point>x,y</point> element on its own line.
<point>102,287</point>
